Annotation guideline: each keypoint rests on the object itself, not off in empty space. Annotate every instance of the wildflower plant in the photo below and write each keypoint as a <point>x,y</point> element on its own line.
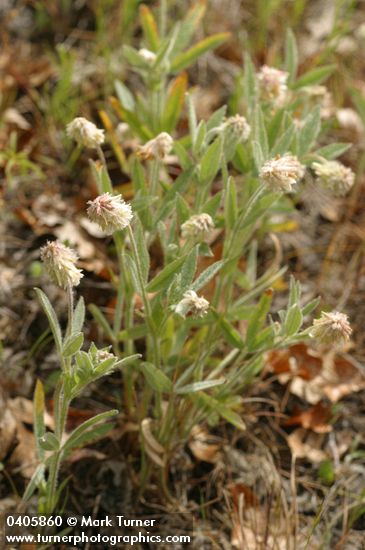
<point>206,319</point>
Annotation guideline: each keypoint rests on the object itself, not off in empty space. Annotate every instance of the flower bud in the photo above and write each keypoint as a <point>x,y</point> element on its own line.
<point>59,261</point>
<point>334,176</point>
<point>197,227</point>
<point>273,84</point>
<point>110,212</point>
<point>85,132</point>
<point>147,55</point>
<point>193,303</point>
<point>331,328</point>
<point>156,148</point>
<point>237,127</point>
<point>282,172</point>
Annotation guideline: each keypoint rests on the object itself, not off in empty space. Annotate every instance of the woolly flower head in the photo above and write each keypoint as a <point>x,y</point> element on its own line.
<point>334,176</point>
<point>110,212</point>
<point>147,55</point>
<point>238,127</point>
<point>282,172</point>
<point>85,132</point>
<point>197,227</point>
<point>193,303</point>
<point>156,148</point>
<point>273,84</point>
<point>331,328</point>
<point>60,263</point>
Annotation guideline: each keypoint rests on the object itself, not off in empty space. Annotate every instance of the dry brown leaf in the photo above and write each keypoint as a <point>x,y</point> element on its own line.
<point>24,457</point>
<point>203,446</point>
<point>306,444</point>
<point>315,418</point>
<point>22,409</point>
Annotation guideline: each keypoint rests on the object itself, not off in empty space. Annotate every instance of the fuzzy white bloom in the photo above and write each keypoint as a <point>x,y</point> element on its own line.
<point>156,148</point>
<point>273,84</point>
<point>331,328</point>
<point>282,172</point>
<point>191,302</point>
<point>103,355</point>
<point>197,227</point>
<point>110,212</point>
<point>238,126</point>
<point>60,263</point>
<point>85,132</point>
<point>147,55</point>
<point>321,94</point>
<point>334,176</point>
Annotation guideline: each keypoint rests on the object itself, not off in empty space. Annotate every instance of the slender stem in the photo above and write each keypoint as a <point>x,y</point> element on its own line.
<point>101,156</point>
<point>118,315</point>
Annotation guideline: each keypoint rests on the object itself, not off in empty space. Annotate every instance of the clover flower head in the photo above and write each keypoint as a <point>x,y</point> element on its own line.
<point>282,172</point>
<point>191,302</point>
<point>147,55</point>
<point>85,133</point>
<point>273,84</point>
<point>331,328</point>
<point>110,212</point>
<point>197,227</point>
<point>334,176</point>
<point>238,126</point>
<point>60,263</point>
<point>156,148</point>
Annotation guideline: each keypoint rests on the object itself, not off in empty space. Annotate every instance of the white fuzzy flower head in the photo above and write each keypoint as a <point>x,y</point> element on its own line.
<point>147,55</point>
<point>156,148</point>
<point>191,302</point>
<point>85,132</point>
<point>60,263</point>
<point>110,212</point>
<point>334,176</point>
<point>238,126</point>
<point>197,227</point>
<point>332,328</point>
<point>273,84</point>
<point>282,172</point>
<point>103,355</point>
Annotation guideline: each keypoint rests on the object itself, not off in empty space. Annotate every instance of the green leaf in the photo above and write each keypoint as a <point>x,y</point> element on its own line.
<point>189,268</point>
<point>49,442</point>
<point>76,438</point>
<point>35,481</point>
<point>249,82</point>
<point>210,162</point>
<point>143,255</point>
<point>231,334</point>
<point>259,132</point>
<point>174,102</point>
<point>333,150</point>
<point>311,306</point>
<point>191,117</point>
<point>291,55</point>
<point>163,278</point>
<point>39,408</point>
<point>79,316</point>
<point>156,379</point>
<point>101,320</point>
<point>52,318</point>
<point>73,344</point>
<point>124,95</point>
<point>309,132</point>
<point>131,264</point>
<point>315,76</point>
<point>199,386</point>
<point>230,205</point>
<point>258,318</point>
<point>149,27</point>
<point>293,320</point>
<point>207,275</point>
<point>283,143</point>
<point>183,60</point>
